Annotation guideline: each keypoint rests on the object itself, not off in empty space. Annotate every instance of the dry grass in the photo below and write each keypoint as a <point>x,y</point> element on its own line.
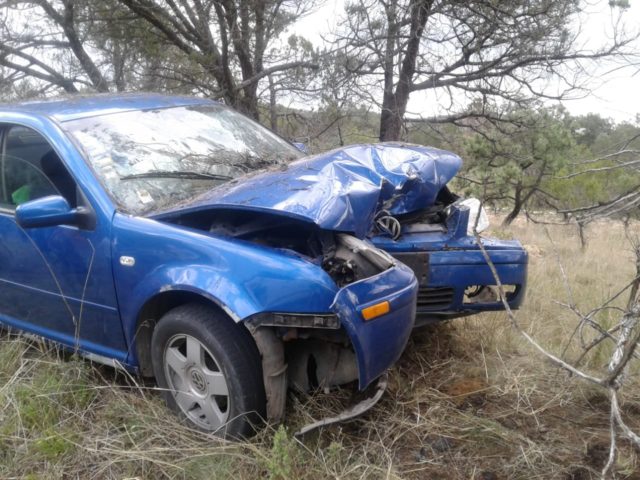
<point>468,400</point>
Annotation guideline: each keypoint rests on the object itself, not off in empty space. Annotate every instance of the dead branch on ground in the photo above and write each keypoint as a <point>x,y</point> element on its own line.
<point>625,335</point>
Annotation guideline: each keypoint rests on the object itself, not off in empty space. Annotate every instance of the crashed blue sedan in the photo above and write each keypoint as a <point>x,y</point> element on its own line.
<point>176,238</point>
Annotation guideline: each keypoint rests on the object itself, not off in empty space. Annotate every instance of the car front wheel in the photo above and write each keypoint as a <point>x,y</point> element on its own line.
<point>209,370</point>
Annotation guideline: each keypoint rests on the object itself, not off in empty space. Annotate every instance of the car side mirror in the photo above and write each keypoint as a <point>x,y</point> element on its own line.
<point>301,146</point>
<point>51,211</point>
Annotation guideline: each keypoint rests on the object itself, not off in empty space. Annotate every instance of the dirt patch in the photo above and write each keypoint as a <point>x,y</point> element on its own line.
<point>468,392</point>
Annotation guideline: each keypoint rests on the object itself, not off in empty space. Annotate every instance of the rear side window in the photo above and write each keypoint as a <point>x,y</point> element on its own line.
<point>31,169</point>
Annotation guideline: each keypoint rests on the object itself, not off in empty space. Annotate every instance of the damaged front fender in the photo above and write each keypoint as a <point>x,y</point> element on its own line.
<point>378,342</point>
<point>242,278</point>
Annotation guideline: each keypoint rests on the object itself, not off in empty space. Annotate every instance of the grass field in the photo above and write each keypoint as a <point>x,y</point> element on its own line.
<point>468,400</point>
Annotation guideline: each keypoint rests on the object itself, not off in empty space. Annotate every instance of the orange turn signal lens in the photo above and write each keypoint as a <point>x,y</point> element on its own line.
<point>376,310</point>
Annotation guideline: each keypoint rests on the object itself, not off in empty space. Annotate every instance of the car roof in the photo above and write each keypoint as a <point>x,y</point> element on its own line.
<point>73,107</point>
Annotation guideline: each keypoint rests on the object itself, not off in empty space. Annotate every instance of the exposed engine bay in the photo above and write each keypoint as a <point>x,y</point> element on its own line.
<point>313,351</point>
<point>344,257</point>
<point>300,351</point>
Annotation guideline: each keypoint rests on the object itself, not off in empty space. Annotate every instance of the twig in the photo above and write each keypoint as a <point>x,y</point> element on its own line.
<point>612,445</point>
<point>626,345</point>
<point>516,325</point>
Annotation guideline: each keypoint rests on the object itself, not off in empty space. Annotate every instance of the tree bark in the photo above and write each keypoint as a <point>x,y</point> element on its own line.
<point>517,207</point>
<point>273,113</point>
<point>394,103</point>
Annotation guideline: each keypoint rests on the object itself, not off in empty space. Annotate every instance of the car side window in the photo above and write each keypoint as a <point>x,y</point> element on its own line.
<point>31,169</point>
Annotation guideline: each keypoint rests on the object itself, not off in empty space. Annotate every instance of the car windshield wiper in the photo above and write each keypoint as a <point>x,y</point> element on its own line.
<point>176,174</point>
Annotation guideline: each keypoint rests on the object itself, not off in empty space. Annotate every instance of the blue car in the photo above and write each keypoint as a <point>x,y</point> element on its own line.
<point>175,238</point>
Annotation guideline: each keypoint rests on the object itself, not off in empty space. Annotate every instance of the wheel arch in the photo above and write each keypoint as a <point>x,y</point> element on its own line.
<point>154,309</point>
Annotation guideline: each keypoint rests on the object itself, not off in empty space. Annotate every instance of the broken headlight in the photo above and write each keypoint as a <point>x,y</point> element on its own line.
<point>297,320</point>
<point>478,219</point>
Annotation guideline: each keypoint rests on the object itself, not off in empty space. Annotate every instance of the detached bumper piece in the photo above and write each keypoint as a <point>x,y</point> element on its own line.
<point>351,412</point>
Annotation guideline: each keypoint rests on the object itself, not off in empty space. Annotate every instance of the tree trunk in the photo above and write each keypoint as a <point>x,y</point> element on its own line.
<point>517,207</point>
<point>391,122</point>
<point>583,237</point>
<point>389,126</point>
<point>512,215</point>
<point>273,113</point>
<point>248,102</point>
<point>394,103</point>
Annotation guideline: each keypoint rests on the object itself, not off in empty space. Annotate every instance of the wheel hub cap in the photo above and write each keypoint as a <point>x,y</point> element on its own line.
<point>198,382</point>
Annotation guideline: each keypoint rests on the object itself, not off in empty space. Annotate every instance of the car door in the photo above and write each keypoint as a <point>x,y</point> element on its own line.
<point>54,281</point>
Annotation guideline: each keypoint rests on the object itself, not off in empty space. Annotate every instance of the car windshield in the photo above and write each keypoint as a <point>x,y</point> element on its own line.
<point>152,159</point>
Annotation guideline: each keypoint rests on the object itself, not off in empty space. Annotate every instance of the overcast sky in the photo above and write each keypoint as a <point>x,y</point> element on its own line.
<point>616,94</point>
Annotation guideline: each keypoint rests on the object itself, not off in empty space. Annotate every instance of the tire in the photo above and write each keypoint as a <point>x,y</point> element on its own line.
<point>209,370</point>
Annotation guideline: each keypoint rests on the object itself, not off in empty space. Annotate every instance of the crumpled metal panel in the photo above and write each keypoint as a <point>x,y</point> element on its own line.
<point>378,343</point>
<point>342,189</point>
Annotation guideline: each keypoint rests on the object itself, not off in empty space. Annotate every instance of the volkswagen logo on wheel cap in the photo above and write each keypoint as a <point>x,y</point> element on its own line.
<point>197,380</point>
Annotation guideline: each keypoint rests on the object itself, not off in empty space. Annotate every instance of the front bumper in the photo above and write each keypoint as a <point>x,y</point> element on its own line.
<point>446,275</point>
<point>447,262</point>
<point>379,342</point>
<point>446,270</point>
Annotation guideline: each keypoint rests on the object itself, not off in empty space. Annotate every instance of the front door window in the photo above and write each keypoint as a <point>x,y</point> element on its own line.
<point>24,163</point>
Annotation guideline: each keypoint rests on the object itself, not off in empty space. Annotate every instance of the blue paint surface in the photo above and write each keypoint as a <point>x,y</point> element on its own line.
<point>342,189</point>
<point>456,262</point>
<point>68,284</point>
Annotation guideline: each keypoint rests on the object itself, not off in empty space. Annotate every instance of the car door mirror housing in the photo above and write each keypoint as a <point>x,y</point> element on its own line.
<point>301,146</point>
<point>51,211</point>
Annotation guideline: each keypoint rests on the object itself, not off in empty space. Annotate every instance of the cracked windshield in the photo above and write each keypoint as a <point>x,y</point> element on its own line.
<point>151,160</point>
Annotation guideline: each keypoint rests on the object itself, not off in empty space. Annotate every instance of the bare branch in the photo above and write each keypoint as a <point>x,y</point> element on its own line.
<point>277,68</point>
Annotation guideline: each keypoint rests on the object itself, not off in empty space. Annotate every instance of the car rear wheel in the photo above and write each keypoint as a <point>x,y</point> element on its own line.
<point>209,369</point>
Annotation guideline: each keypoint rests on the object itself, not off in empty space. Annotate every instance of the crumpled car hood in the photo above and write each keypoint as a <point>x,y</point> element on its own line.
<point>342,189</point>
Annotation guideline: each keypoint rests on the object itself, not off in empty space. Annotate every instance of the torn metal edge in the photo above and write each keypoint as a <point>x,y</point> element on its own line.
<point>351,412</point>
